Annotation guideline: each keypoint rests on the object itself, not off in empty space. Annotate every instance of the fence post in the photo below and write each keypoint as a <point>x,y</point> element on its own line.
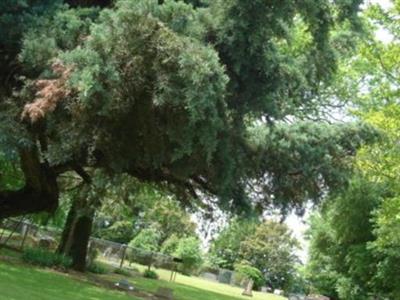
<point>124,247</point>
<point>25,234</point>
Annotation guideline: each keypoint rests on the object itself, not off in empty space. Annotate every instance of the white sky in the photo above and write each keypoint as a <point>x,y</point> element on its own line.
<point>299,226</point>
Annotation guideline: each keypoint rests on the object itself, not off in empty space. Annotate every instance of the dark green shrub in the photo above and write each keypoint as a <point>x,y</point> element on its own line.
<point>150,274</point>
<point>45,258</point>
<point>122,272</point>
<point>97,268</point>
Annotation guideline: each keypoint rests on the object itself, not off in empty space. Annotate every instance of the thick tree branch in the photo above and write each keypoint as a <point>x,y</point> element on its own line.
<point>26,201</point>
<point>40,192</point>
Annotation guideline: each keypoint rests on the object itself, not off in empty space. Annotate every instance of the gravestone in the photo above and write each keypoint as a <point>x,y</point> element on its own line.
<point>165,293</point>
<point>46,243</point>
<point>249,289</point>
<point>317,297</point>
<point>265,289</point>
<point>296,297</point>
<point>124,284</point>
<point>225,276</point>
<point>209,276</point>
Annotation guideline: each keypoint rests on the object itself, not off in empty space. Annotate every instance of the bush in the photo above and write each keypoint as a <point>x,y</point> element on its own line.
<point>244,271</point>
<point>122,272</point>
<point>45,258</point>
<point>97,268</point>
<point>189,251</point>
<point>150,274</point>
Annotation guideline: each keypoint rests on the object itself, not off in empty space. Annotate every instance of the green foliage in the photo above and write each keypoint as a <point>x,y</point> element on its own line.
<point>123,272</point>
<point>45,258</point>
<point>59,32</point>
<point>268,246</point>
<point>268,73</point>
<point>271,249</point>
<point>11,176</point>
<point>353,245</point>
<point>170,245</point>
<point>341,261</point>
<point>150,274</point>
<point>97,268</point>
<point>147,240</point>
<point>120,232</point>
<point>170,218</point>
<point>142,247</point>
<point>189,251</point>
<point>245,271</point>
<point>308,152</point>
<point>224,251</point>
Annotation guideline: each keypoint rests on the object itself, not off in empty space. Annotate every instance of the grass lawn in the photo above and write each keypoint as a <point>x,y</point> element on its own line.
<point>20,282</point>
<point>28,283</point>
<point>193,288</point>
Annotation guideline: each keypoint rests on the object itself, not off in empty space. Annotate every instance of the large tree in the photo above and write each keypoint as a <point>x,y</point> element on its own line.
<point>206,100</point>
<point>271,249</point>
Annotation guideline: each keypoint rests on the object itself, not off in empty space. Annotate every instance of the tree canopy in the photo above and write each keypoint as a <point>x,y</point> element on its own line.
<point>197,98</point>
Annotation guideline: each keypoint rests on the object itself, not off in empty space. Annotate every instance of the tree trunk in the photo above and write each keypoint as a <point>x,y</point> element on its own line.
<point>76,234</point>
<point>40,193</point>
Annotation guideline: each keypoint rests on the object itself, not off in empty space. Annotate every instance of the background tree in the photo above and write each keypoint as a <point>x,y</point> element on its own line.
<point>147,240</point>
<point>341,263</point>
<point>267,246</point>
<point>271,249</point>
<point>225,248</point>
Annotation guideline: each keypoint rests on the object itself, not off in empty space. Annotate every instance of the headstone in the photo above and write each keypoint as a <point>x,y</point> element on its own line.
<point>165,293</point>
<point>278,292</point>
<point>209,276</point>
<point>264,289</point>
<point>249,289</point>
<point>225,276</point>
<point>317,297</point>
<point>46,243</point>
<point>124,284</point>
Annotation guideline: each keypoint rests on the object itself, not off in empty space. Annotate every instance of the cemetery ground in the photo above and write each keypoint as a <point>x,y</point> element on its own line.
<point>21,281</point>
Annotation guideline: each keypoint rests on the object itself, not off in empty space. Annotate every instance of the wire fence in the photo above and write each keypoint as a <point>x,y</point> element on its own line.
<point>21,234</point>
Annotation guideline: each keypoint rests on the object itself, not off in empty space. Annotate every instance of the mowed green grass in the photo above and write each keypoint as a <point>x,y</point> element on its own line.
<point>192,288</point>
<point>19,282</point>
